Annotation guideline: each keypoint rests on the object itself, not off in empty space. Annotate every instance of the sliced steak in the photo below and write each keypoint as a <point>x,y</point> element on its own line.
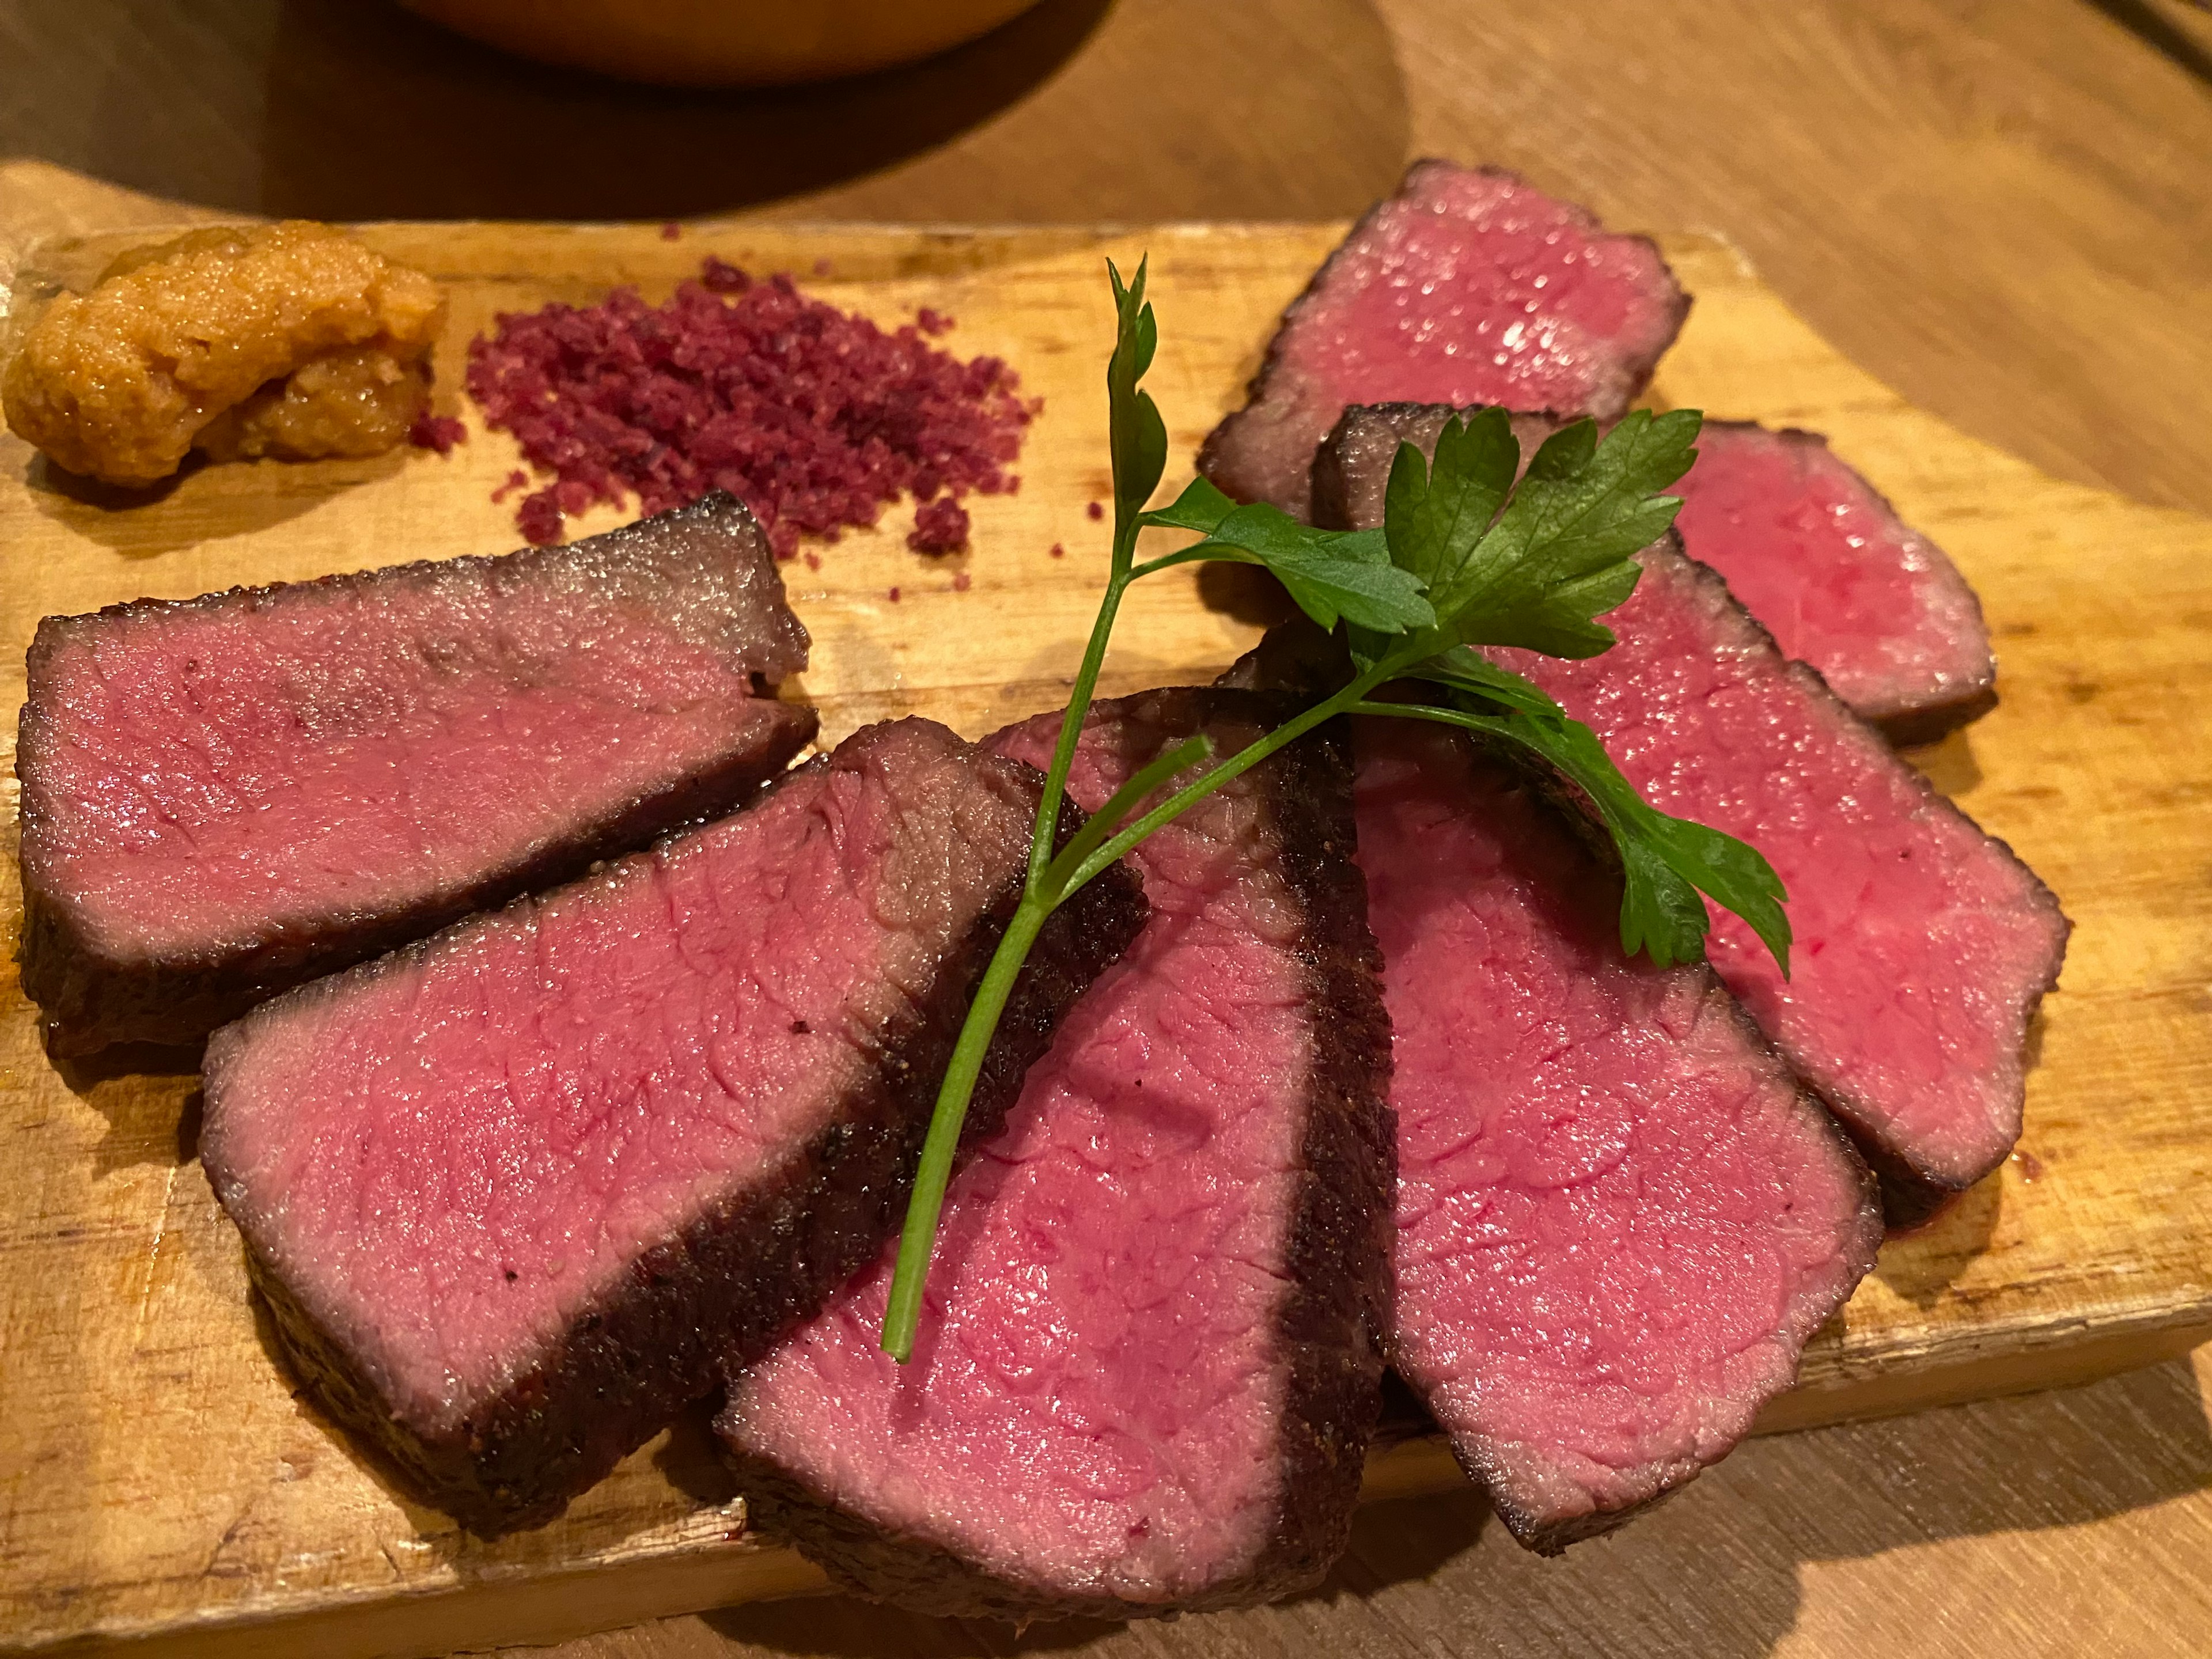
<point>226,796</point>
<point>1619,1215</point>
<point>1467,287</point>
<point>1843,584</point>
<point>514,1191</point>
<point>1148,1363</point>
<point>1922,947</point>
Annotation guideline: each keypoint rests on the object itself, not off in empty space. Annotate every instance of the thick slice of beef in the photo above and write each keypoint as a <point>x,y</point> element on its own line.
<point>1467,287</point>
<point>1620,1214</point>
<point>1923,946</point>
<point>226,796</point>
<point>514,1191</point>
<point>1148,1363</point>
<point>1843,584</point>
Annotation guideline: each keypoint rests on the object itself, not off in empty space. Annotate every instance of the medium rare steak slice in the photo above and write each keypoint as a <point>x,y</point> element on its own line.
<point>514,1191</point>
<point>1467,287</point>
<point>226,796</point>
<point>1819,558</point>
<point>1923,946</point>
<point>1620,1216</point>
<point>1838,579</point>
<point>1148,1362</point>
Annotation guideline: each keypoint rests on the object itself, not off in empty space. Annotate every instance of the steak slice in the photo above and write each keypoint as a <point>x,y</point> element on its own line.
<point>1923,946</point>
<point>1467,287</point>
<point>512,1192</point>
<point>1843,583</point>
<point>1149,1359</point>
<point>1819,557</point>
<point>228,796</point>
<point>1620,1214</point>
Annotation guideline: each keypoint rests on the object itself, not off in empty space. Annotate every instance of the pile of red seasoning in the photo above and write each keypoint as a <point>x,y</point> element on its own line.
<point>818,419</point>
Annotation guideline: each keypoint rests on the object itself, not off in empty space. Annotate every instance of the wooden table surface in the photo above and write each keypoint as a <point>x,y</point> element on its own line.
<point>2001,207</point>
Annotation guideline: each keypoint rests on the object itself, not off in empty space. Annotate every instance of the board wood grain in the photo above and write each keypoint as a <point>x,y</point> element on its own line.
<point>161,1486</point>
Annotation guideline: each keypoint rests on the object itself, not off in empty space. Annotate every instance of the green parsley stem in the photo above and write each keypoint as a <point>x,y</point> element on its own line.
<point>918,1238</point>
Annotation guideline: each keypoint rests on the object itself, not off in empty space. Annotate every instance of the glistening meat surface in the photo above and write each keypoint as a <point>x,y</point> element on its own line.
<point>512,1192</point>
<point>1467,287</point>
<point>226,796</point>
<point>1843,583</point>
<point>1148,1364</point>
<point>1619,1216</point>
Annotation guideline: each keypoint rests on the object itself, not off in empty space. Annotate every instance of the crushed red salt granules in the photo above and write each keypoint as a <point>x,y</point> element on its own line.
<point>438,432</point>
<point>817,419</point>
<point>940,526</point>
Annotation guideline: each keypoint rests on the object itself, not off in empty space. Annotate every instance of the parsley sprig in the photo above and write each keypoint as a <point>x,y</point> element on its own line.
<point>1466,557</point>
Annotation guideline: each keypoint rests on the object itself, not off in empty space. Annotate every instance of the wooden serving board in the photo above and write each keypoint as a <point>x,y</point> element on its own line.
<point>162,1490</point>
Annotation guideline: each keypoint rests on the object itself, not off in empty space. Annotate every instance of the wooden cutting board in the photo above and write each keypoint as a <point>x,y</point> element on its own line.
<point>160,1485</point>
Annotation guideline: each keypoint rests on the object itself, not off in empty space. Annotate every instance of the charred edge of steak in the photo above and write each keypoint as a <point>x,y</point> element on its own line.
<point>1342,1234</point>
<point>740,1276</point>
<point>90,999</point>
<point>1215,464</point>
<point>1933,720</point>
<point>1552,1538</point>
<point>1331,1332</point>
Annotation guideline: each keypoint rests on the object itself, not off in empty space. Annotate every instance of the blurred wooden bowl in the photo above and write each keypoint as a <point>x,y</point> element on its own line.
<point>721,43</point>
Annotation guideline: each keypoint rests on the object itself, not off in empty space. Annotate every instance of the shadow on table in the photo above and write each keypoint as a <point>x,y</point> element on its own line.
<point>1715,1573</point>
<point>1079,110</point>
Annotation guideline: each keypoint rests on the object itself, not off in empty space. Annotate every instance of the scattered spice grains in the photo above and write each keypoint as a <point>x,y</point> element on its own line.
<point>438,432</point>
<point>940,526</point>
<point>671,231</point>
<point>817,419</point>
<point>894,596</point>
<point>1095,510</point>
<point>1058,551</point>
<point>961,582</point>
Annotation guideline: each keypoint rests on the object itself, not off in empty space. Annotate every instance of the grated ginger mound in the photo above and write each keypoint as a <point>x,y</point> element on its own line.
<point>290,340</point>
